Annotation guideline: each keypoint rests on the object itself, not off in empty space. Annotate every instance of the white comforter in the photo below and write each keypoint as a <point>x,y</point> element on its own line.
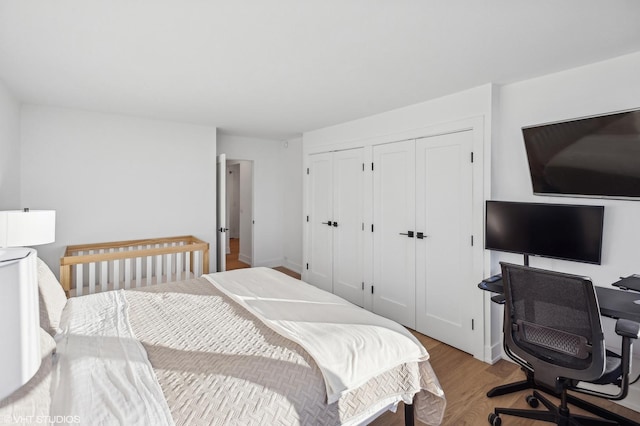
<point>102,375</point>
<point>349,344</point>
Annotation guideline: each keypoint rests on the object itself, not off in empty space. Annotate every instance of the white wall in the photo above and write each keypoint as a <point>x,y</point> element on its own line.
<point>9,151</point>
<point>599,88</point>
<point>595,89</point>
<point>292,204</point>
<point>112,177</point>
<point>474,102</point>
<point>267,193</point>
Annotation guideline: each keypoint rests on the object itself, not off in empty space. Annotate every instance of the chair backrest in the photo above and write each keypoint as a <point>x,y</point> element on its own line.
<point>552,323</point>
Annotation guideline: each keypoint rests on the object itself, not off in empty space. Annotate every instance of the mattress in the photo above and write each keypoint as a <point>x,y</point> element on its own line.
<point>216,363</point>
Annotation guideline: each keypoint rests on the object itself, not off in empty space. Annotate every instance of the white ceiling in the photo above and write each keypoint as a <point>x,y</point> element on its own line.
<point>277,68</point>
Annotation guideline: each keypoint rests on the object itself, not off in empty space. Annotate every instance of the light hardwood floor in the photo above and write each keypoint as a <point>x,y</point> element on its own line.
<point>232,258</point>
<point>465,381</point>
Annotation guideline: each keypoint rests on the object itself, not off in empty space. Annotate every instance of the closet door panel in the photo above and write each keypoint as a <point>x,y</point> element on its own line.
<point>348,214</point>
<point>320,213</point>
<point>393,215</point>
<point>444,257</point>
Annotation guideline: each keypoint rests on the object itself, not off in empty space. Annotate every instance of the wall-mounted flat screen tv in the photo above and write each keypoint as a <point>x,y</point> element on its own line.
<point>590,157</point>
<point>560,231</point>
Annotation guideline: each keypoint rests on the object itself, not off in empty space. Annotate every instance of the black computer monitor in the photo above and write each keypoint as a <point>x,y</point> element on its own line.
<point>560,231</point>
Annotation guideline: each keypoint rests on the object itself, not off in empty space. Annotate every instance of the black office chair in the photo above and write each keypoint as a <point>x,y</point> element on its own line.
<point>552,329</point>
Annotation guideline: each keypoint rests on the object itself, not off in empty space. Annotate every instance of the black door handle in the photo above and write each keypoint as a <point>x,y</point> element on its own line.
<point>327,223</point>
<point>408,234</point>
<point>420,235</point>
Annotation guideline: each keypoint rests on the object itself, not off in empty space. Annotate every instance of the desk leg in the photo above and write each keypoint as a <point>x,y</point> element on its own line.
<point>528,383</point>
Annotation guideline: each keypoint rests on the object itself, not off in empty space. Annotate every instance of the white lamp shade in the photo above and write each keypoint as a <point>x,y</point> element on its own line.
<point>27,228</point>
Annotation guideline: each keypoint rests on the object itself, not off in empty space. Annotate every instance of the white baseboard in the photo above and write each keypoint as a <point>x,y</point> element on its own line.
<point>272,263</point>
<point>494,353</point>
<point>244,258</point>
<point>295,267</point>
<point>269,263</point>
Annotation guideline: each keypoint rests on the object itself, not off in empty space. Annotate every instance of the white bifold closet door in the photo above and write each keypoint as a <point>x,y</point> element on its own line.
<point>422,248</point>
<point>394,259</point>
<point>445,288</point>
<point>336,223</point>
<point>348,229</point>
<point>320,258</point>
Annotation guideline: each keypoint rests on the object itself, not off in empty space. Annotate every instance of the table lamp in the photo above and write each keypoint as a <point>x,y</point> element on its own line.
<point>20,356</point>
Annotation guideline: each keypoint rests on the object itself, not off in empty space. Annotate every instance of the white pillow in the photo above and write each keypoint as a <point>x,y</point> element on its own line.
<point>52,298</point>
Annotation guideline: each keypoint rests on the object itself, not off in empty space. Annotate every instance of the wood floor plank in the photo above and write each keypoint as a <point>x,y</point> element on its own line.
<point>232,257</point>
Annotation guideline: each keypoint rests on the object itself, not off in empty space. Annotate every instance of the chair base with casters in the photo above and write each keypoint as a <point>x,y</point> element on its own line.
<point>559,415</point>
<point>527,383</point>
<point>533,399</point>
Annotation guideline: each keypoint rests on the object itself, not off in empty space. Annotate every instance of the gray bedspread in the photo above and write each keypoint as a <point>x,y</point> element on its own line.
<point>219,365</point>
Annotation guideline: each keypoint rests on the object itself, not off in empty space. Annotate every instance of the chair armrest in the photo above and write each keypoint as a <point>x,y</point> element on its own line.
<point>628,328</point>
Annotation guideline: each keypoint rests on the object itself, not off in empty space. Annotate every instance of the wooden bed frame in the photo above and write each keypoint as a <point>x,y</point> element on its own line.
<point>91,268</point>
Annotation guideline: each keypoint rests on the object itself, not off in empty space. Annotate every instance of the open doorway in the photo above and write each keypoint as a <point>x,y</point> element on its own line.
<point>239,204</point>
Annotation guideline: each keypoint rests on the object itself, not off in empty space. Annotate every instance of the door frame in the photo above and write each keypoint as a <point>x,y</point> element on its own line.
<point>221,212</point>
<point>251,164</point>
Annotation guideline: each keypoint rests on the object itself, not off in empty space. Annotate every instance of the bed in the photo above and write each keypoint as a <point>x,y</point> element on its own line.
<point>245,347</point>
